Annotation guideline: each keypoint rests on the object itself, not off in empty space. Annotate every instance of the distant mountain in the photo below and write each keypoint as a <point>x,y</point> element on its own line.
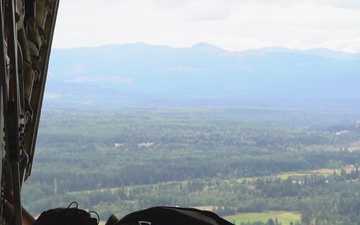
<point>139,74</point>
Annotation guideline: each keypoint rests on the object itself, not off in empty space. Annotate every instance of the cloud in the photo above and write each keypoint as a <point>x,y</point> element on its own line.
<point>49,95</point>
<point>196,10</point>
<point>87,79</point>
<point>207,10</point>
<point>348,4</point>
<point>171,4</point>
<point>229,24</point>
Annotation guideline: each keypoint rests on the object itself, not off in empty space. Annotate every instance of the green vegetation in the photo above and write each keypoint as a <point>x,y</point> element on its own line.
<point>282,217</point>
<point>233,161</point>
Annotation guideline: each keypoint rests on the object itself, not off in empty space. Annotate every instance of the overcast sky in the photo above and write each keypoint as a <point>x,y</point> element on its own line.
<point>229,24</point>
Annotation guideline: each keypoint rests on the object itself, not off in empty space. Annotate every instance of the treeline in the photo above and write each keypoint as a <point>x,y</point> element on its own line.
<point>312,195</point>
<point>187,157</point>
<point>99,170</point>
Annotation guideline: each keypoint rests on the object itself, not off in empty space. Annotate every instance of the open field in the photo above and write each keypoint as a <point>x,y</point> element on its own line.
<point>352,149</point>
<point>282,216</point>
<point>299,174</point>
<point>324,172</point>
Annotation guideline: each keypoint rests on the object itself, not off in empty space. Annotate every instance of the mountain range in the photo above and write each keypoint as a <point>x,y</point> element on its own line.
<point>143,75</point>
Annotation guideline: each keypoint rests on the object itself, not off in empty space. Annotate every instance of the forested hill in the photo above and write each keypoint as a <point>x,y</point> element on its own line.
<point>150,75</point>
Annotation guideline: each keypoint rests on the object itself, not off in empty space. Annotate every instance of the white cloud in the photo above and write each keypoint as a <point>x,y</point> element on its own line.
<point>116,79</point>
<point>230,24</point>
<point>49,95</point>
<point>348,4</point>
<point>203,10</point>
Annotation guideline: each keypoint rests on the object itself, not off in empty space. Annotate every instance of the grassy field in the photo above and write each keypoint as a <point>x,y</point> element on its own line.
<point>324,172</point>
<point>354,148</point>
<point>299,174</point>
<point>285,217</point>
<point>282,216</point>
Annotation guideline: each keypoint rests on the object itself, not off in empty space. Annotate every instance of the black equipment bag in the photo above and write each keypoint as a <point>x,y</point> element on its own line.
<point>164,215</point>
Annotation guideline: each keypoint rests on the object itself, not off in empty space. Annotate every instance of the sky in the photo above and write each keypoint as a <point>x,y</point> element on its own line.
<point>234,25</point>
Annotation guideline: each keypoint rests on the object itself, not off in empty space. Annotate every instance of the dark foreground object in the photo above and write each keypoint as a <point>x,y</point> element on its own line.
<point>162,215</point>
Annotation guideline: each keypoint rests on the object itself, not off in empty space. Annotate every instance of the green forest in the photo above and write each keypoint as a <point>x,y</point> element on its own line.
<point>233,161</point>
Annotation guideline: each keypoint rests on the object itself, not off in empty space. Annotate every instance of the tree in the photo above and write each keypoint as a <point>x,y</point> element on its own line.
<point>270,222</point>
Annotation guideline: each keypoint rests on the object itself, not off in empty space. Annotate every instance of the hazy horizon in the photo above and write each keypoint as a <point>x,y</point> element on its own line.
<point>197,43</point>
<point>231,25</point>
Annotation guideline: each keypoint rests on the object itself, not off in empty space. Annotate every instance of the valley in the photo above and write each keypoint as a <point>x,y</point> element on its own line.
<point>234,160</point>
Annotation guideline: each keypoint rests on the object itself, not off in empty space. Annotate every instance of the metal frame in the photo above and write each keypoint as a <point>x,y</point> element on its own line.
<point>18,134</point>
